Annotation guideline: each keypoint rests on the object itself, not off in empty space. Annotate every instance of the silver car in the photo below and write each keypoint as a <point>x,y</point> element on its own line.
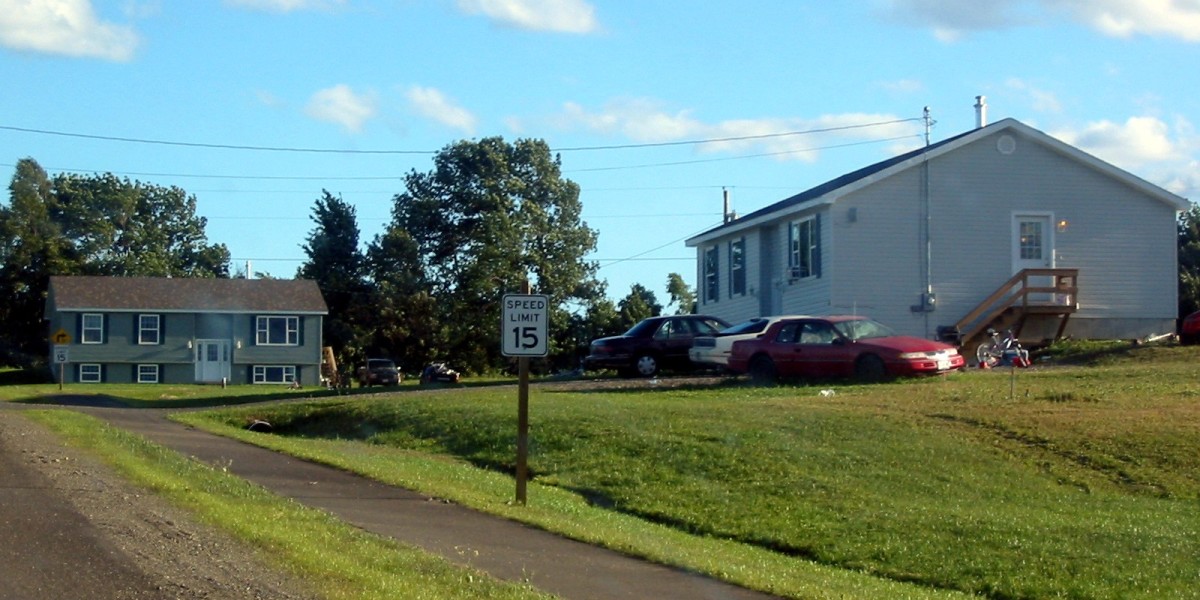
<point>712,352</point>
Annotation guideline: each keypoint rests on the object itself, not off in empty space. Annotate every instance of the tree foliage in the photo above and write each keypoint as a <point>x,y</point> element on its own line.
<point>338,265</point>
<point>1189,261</point>
<point>89,225</point>
<point>638,305</point>
<point>488,217</point>
<point>683,298</point>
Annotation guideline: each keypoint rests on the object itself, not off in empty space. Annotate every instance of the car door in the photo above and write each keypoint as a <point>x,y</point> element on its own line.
<point>673,340</point>
<point>823,352</point>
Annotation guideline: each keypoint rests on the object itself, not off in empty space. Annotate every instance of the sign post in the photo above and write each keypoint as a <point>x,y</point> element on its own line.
<point>523,329</point>
<point>62,356</point>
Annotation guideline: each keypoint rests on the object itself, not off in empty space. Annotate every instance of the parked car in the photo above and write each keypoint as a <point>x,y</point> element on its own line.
<point>439,372</point>
<point>1189,329</point>
<point>653,345</point>
<point>839,346</point>
<point>379,371</point>
<point>712,351</point>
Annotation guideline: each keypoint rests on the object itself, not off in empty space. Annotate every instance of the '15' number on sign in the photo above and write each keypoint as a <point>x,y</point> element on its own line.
<point>525,337</point>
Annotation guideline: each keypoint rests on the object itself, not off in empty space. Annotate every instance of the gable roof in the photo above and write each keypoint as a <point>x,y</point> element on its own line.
<point>164,294</point>
<point>830,191</point>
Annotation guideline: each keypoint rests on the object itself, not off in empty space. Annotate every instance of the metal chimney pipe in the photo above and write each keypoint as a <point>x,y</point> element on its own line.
<point>725,193</point>
<point>980,111</point>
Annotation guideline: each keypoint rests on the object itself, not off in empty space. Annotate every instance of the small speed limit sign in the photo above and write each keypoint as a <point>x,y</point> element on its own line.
<point>523,325</point>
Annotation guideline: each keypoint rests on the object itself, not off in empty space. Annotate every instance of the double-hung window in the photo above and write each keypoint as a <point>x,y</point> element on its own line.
<point>91,329</point>
<point>147,373</point>
<point>712,274</point>
<point>804,248</point>
<point>148,330</point>
<point>274,374</point>
<point>737,267</point>
<point>90,373</point>
<point>277,331</point>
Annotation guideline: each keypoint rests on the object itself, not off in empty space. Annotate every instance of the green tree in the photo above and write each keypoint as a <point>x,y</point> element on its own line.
<point>489,216</point>
<point>337,264</point>
<point>683,298</point>
<point>120,227</point>
<point>1189,261</point>
<point>638,305</point>
<point>89,225</point>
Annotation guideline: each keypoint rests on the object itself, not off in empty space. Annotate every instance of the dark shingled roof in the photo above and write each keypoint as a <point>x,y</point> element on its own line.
<point>185,295</point>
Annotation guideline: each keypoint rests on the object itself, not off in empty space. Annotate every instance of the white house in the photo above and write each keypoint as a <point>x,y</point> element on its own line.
<point>1001,226</point>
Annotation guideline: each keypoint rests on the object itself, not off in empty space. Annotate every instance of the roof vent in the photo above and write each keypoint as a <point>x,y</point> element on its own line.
<point>980,111</point>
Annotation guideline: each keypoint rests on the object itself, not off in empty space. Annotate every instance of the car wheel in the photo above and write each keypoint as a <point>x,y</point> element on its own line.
<point>763,371</point>
<point>645,365</point>
<point>870,368</point>
<point>1186,339</point>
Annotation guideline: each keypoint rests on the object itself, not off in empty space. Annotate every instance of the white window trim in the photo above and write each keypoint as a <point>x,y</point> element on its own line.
<point>157,329</point>
<point>712,295</point>
<point>288,373</point>
<point>797,257</point>
<point>262,327</point>
<point>149,369</point>
<point>737,268</point>
<point>98,374</point>
<point>84,329</point>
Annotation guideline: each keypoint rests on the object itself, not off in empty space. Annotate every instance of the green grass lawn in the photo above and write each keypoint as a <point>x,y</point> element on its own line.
<point>1063,482</point>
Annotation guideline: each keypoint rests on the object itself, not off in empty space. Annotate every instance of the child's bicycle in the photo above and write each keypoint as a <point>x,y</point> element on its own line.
<point>998,350</point>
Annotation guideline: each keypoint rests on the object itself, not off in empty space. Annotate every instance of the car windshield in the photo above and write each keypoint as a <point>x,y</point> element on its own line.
<point>380,364</point>
<point>751,326</point>
<point>644,328</point>
<point>861,329</point>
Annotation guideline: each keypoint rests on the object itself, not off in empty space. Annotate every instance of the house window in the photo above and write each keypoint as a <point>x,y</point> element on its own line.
<point>804,248</point>
<point>274,374</point>
<point>712,277</point>
<point>92,329</point>
<point>278,331</point>
<point>147,373</point>
<point>148,330</point>
<point>737,267</point>
<point>90,373</point>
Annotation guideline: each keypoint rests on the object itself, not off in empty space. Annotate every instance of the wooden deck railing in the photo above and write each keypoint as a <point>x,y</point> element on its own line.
<point>1058,298</point>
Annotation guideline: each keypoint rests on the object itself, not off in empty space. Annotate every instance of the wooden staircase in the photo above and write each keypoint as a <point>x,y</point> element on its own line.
<point>1026,295</point>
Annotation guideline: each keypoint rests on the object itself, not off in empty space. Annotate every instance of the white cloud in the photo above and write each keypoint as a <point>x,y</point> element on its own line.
<point>1042,100</point>
<point>1124,18</point>
<point>564,16</point>
<point>66,27</point>
<point>341,105</point>
<point>284,6</point>
<point>647,121</point>
<point>1136,142</point>
<point>433,104</point>
<point>903,86</point>
<point>951,19</point>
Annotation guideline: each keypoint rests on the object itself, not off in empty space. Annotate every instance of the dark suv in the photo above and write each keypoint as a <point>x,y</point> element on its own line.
<point>379,371</point>
<point>657,343</point>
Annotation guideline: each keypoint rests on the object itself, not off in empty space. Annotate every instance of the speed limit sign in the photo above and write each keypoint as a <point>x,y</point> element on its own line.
<point>523,325</point>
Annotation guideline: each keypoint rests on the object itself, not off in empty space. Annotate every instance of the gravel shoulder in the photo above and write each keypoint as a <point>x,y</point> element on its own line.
<point>98,528</point>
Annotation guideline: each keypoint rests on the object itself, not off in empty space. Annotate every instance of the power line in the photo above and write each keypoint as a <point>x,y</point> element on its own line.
<point>132,140</point>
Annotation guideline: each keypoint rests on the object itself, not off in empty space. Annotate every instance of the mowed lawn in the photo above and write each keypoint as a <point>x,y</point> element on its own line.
<point>1078,481</point>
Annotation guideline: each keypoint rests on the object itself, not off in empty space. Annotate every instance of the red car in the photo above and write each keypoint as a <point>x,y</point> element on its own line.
<point>839,346</point>
<point>1189,330</point>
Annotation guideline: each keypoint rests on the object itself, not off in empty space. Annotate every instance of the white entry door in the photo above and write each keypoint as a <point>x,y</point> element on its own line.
<point>1033,248</point>
<point>212,360</point>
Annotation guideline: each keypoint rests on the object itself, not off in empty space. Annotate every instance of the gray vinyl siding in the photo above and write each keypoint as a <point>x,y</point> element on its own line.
<point>120,353</point>
<point>1119,234</point>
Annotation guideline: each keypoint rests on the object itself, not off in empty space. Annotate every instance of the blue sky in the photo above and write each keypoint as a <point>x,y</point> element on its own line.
<point>655,106</point>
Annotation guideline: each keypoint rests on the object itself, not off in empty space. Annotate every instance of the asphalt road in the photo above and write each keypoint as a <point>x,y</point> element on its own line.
<point>57,548</point>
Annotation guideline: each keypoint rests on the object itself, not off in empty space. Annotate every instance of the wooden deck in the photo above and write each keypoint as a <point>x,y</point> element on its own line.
<point>1031,293</point>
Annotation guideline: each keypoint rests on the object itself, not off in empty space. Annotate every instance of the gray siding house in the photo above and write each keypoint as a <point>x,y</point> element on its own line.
<point>1001,226</point>
<point>164,330</point>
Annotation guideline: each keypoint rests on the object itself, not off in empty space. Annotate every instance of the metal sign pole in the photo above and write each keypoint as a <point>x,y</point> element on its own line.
<point>522,428</point>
